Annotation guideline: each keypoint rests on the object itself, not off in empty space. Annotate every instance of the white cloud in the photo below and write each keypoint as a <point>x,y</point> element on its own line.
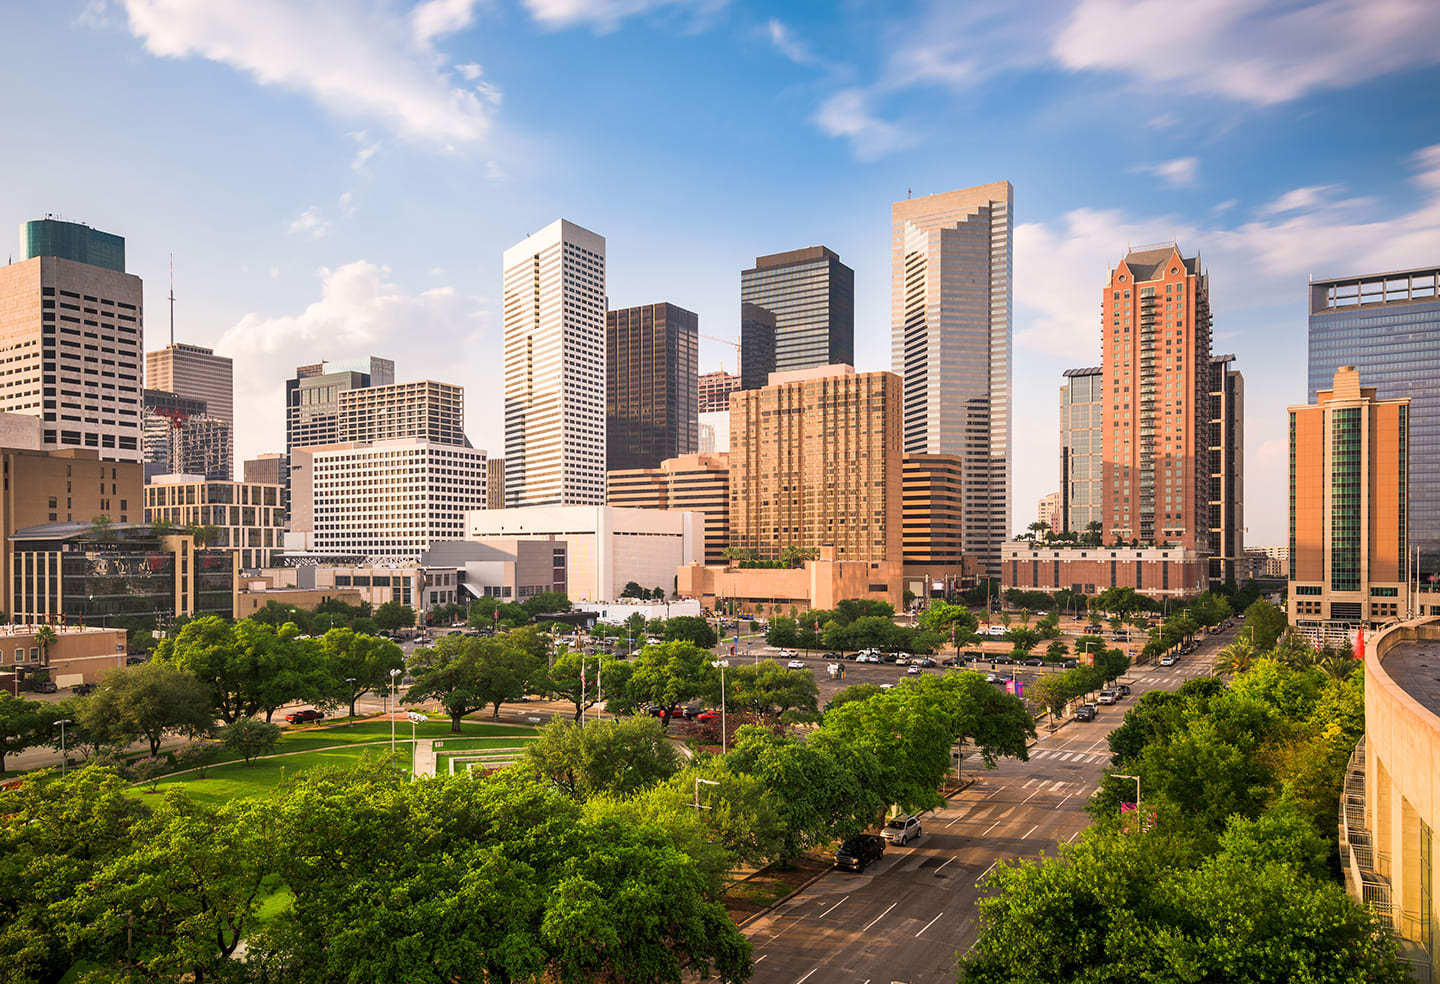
<point>310,223</point>
<point>368,149</point>
<point>470,70</point>
<point>604,16</point>
<point>1162,121</point>
<point>355,58</point>
<point>1300,199</point>
<point>1182,172</point>
<point>1225,206</point>
<point>347,204</point>
<point>788,45</point>
<point>847,114</point>
<point>361,311</point>
<point>494,171</point>
<point>1247,51</point>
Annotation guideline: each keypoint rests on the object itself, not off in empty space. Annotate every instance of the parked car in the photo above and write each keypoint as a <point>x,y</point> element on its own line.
<point>46,687</point>
<point>1124,689</point>
<point>902,829</point>
<point>1001,660</point>
<point>1109,696</point>
<point>1122,637</point>
<point>1034,661</point>
<point>925,661</point>
<point>973,654</point>
<point>831,656</point>
<point>857,852</point>
<point>1169,659</point>
<point>304,717</point>
<point>795,664</point>
<point>786,654</point>
<point>1069,664</point>
<point>996,630</point>
<point>902,660</point>
<point>914,669</point>
<point>994,678</point>
<point>81,689</point>
<point>705,717</point>
<point>1086,712</point>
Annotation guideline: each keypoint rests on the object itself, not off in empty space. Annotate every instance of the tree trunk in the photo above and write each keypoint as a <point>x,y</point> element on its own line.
<point>455,724</point>
<point>268,712</point>
<point>496,715</point>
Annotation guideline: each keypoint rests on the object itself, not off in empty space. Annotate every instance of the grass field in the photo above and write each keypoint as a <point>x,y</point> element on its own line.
<point>234,780</point>
<point>518,737</point>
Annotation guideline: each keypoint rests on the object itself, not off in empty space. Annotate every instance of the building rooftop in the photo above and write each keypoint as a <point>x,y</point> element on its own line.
<point>1415,668</point>
<point>1088,371</point>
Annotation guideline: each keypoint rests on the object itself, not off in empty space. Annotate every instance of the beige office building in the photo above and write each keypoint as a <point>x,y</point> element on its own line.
<point>1349,464</point>
<point>426,410</point>
<point>247,516</point>
<point>692,482</point>
<point>495,483</point>
<point>815,461</point>
<point>950,276</point>
<point>933,518</point>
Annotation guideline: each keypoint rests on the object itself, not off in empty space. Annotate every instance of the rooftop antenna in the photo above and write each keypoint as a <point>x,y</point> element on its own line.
<point>907,193</point>
<point>172,300</point>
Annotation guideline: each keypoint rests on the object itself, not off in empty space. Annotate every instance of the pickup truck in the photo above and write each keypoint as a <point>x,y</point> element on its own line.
<point>1086,712</point>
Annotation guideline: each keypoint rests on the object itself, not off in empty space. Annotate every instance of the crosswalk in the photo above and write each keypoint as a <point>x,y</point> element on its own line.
<point>1061,756</point>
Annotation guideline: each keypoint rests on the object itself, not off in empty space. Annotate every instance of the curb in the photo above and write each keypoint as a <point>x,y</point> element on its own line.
<point>778,902</point>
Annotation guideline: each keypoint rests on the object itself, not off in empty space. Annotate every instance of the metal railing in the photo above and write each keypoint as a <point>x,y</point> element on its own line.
<point>1357,848</point>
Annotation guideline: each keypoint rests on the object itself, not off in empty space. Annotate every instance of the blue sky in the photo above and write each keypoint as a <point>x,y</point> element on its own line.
<point>339,177</point>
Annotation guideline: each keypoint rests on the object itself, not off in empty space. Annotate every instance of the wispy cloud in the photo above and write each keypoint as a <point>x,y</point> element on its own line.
<point>1300,199</point>
<point>1182,172</point>
<point>847,114</point>
<point>604,16</point>
<point>789,45</point>
<point>310,223</point>
<point>368,149</point>
<point>355,58</point>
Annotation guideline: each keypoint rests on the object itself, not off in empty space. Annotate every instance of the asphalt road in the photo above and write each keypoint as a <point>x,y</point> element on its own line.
<point>909,917</point>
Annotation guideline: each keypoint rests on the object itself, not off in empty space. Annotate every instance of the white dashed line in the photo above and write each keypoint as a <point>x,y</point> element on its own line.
<point>925,927</point>
<point>831,909</point>
<point>1030,831</point>
<point>876,920</point>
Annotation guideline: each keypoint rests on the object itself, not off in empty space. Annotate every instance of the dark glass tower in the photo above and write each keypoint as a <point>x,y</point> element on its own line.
<point>652,391</point>
<point>812,297</point>
<point>757,346</point>
<point>1387,325</point>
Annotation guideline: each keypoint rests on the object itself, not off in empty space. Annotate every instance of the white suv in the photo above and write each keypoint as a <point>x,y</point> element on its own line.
<point>902,829</point>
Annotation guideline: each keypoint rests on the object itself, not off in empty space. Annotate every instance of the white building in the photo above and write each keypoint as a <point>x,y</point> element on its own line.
<point>387,499</point>
<point>555,368</point>
<point>714,431</point>
<point>606,547</point>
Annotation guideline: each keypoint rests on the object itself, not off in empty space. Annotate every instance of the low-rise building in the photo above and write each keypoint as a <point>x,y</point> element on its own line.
<point>820,583</point>
<point>421,586</point>
<point>1156,572</point>
<point>256,592</point>
<point>508,569</point>
<point>77,654</point>
<point>606,547</point>
<point>247,516</point>
<point>697,482</point>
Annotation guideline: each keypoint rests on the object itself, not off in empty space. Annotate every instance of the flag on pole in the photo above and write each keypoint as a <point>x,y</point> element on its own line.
<point>1360,643</point>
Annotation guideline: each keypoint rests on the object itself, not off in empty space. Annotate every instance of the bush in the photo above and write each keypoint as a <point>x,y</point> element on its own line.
<point>197,755</point>
<point>250,737</point>
<point>147,770</point>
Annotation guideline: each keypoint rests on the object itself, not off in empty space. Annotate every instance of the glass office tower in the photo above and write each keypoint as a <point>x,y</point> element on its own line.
<point>812,297</point>
<point>1387,325</point>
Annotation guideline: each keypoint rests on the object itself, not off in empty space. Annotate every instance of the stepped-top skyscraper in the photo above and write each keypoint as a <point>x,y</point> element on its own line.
<point>72,337</point>
<point>951,327</point>
<point>555,370</point>
<point>810,295</point>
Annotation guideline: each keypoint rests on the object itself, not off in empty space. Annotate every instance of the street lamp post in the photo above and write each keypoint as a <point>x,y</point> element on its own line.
<point>724,735</point>
<point>394,687</point>
<point>698,781</point>
<point>415,718</point>
<point>61,723</point>
<point>1116,775</point>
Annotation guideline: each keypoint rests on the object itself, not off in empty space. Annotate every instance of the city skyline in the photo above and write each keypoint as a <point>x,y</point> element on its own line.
<point>313,262</point>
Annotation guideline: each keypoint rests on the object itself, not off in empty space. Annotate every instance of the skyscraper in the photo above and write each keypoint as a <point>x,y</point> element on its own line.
<point>1348,477</point>
<point>197,373</point>
<point>652,359</point>
<point>811,295</point>
<point>1227,469</point>
<point>1387,325</point>
<point>757,345</point>
<point>71,336</point>
<point>1082,401</point>
<point>951,342</point>
<point>181,438</point>
<point>1156,326</point>
<point>715,390</point>
<point>429,410</point>
<point>312,398</point>
<point>555,304</point>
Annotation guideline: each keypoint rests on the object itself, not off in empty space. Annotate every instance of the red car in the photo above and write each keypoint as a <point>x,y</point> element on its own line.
<point>304,717</point>
<point>705,717</point>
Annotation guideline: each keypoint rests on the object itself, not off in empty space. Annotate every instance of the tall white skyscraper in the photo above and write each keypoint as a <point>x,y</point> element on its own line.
<point>555,368</point>
<point>951,327</point>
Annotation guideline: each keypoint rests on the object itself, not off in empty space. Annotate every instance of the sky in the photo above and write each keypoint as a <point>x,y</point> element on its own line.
<point>339,178</point>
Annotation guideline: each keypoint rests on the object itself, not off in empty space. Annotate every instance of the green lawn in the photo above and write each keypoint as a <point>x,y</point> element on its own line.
<point>458,744</point>
<point>234,780</point>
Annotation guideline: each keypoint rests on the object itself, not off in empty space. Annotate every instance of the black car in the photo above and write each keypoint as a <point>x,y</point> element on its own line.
<point>1085,712</point>
<point>81,689</point>
<point>1069,664</point>
<point>925,661</point>
<point>1034,661</point>
<point>1124,689</point>
<point>46,687</point>
<point>1001,660</point>
<point>857,852</point>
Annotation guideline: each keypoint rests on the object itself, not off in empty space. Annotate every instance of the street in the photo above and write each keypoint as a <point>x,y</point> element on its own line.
<point>910,916</point>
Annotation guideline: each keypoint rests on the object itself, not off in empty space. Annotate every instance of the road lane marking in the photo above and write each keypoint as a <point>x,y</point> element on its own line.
<point>1032,796</point>
<point>1072,837</point>
<point>1030,831</point>
<point>877,918</point>
<point>938,870</point>
<point>998,820</point>
<point>925,927</point>
<point>1056,786</point>
<point>806,977</point>
<point>1065,756</point>
<point>1028,782</point>
<point>1062,802</point>
<point>986,872</point>
<point>761,957</point>
<point>831,909</point>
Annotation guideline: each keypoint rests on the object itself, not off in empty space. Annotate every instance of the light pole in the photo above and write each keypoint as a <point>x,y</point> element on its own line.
<point>698,781</point>
<point>350,720</point>
<point>724,737</point>
<point>61,723</point>
<point>1116,775</point>
<point>415,718</point>
<point>394,687</point>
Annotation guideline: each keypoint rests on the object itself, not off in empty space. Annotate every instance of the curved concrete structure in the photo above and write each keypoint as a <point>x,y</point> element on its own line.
<point>1390,804</point>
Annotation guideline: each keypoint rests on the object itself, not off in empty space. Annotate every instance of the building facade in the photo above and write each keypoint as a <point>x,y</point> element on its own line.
<point>652,361</point>
<point>822,583</point>
<point>1082,438</point>
<point>951,328</point>
<point>312,400</point>
<point>1047,511</point>
<point>810,295</point>
<point>815,461</point>
<point>1156,325</point>
<point>1349,476</point>
<point>197,373</point>
<point>692,483</point>
<point>77,654</point>
<point>246,517</point>
<point>605,547</point>
<point>72,333</point>
<point>421,586</point>
<point>387,500</point>
<point>933,515</point>
<point>555,372</point>
<point>1227,470</point>
<point>266,469</point>
<point>715,432</point>
<point>426,410</point>
<point>1387,325</point>
<point>1156,572</point>
<point>508,569</point>
<point>182,438</point>
<point>715,389</point>
<point>757,345</point>
<point>495,483</point>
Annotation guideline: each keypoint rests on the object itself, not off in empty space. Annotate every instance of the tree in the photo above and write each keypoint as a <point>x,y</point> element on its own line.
<point>1024,639</point>
<point>147,701</point>
<point>614,758</point>
<point>693,629</point>
<point>250,738</point>
<point>604,674</point>
<point>349,666</point>
<point>1265,622</point>
<point>1239,655</point>
<point>1057,651</point>
<point>770,690</point>
<point>208,650</point>
<point>669,674</point>
<point>23,724</point>
<point>632,589</point>
<point>44,638</point>
<point>856,691</point>
<point>1052,693</point>
<point>197,755</point>
<point>392,615</point>
<point>467,674</point>
<point>545,602</point>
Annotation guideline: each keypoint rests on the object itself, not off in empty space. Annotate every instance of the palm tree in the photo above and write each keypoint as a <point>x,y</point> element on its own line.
<point>1094,533</point>
<point>1294,650</point>
<point>44,636</point>
<point>1035,529</point>
<point>1237,657</point>
<point>1337,663</point>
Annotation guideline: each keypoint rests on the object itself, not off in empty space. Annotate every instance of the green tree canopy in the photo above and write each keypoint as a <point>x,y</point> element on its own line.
<point>693,629</point>
<point>770,690</point>
<point>467,674</point>
<point>603,674</point>
<point>23,724</point>
<point>616,758</point>
<point>147,701</point>
<point>669,674</point>
<point>392,615</point>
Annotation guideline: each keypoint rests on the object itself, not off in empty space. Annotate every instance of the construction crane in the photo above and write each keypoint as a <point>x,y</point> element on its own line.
<point>728,341</point>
